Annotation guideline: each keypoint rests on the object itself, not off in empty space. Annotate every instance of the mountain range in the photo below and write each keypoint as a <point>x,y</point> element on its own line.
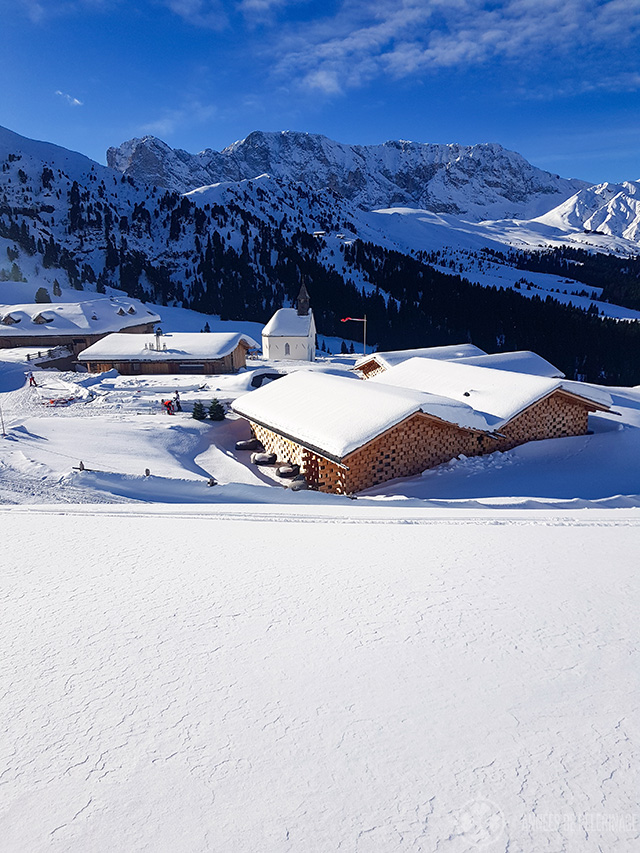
<point>402,231</point>
<point>477,182</point>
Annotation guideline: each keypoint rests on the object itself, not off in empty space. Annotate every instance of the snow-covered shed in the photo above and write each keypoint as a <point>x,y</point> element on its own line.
<point>75,325</point>
<point>175,352</point>
<point>348,435</point>
<point>378,362</point>
<point>291,332</point>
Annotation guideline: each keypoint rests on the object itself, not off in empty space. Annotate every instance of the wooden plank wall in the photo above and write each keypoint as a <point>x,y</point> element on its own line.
<point>419,443</point>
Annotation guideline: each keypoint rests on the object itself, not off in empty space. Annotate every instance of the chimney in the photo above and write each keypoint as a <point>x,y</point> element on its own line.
<point>158,336</point>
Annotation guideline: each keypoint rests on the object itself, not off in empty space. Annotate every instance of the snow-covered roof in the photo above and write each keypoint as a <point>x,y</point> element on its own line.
<point>499,394</point>
<point>87,317</point>
<point>389,359</point>
<point>287,323</point>
<point>520,361</point>
<point>335,415</point>
<point>179,346</point>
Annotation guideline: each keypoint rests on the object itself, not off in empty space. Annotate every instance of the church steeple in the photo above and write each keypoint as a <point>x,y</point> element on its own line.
<point>303,301</point>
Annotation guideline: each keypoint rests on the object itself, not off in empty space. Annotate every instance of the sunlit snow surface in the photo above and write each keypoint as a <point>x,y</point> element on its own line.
<point>202,679</point>
<point>447,663</point>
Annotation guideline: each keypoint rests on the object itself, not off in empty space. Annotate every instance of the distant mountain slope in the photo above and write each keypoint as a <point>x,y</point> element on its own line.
<point>607,208</point>
<point>478,182</point>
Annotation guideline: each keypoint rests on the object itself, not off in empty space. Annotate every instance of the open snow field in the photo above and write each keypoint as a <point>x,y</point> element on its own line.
<point>196,679</point>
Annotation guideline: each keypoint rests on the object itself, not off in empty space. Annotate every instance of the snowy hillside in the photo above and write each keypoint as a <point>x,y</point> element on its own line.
<point>611,209</point>
<point>476,182</point>
<point>237,249</point>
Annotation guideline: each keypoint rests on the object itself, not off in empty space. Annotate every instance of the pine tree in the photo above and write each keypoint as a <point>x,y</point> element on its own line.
<point>57,291</point>
<point>198,411</point>
<point>343,348</point>
<point>216,410</point>
<point>42,295</point>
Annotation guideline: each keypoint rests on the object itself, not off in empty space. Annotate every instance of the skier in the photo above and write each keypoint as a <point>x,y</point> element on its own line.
<point>32,380</point>
<point>168,406</point>
<point>177,403</point>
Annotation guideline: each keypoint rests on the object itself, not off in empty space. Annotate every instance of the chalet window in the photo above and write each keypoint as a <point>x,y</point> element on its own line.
<point>191,367</point>
<point>287,349</point>
<point>135,367</point>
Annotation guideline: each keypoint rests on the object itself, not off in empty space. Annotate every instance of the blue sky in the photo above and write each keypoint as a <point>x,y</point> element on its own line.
<point>556,80</point>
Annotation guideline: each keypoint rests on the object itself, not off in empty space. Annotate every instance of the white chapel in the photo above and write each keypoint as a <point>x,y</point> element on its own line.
<point>291,332</point>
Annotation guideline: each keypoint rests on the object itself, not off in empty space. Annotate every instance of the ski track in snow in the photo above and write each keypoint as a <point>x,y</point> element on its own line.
<point>192,683</point>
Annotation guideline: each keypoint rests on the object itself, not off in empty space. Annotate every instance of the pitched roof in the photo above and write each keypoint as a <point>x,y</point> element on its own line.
<point>499,394</point>
<point>335,415</point>
<point>393,357</point>
<point>287,323</point>
<point>180,346</point>
<point>520,361</point>
<point>86,317</point>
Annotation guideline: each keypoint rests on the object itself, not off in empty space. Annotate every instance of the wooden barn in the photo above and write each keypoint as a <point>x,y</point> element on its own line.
<point>348,435</point>
<point>174,353</point>
<point>377,362</point>
<point>75,325</point>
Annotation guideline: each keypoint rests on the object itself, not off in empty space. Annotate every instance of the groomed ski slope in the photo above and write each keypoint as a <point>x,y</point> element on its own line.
<point>320,679</point>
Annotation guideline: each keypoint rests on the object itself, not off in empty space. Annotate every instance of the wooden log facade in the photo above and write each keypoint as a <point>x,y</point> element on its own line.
<point>231,363</point>
<point>420,442</point>
<point>76,342</point>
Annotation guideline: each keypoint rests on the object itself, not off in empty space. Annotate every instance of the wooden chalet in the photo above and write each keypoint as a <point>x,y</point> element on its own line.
<point>347,435</point>
<point>75,325</point>
<point>377,362</point>
<point>174,353</point>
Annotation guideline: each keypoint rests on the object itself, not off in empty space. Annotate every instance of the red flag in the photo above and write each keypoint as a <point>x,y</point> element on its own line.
<point>357,319</point>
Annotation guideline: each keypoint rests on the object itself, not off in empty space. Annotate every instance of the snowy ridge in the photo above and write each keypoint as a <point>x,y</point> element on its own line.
<point>479,182</point>
<point>612,209</point>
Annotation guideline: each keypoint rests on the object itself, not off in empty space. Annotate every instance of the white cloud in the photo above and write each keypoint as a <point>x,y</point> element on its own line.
<point>209,14</point>
<point>402,38</point>
<point>191,113</point>
<point>73,102</point>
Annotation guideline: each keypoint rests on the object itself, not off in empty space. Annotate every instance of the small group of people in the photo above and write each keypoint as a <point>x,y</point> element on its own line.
<point>174,405</point>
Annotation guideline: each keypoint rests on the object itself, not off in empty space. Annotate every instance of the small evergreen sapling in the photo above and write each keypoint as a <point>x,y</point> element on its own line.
<point>42,295</point>
<point>216,410</point>
<point>198,411</point>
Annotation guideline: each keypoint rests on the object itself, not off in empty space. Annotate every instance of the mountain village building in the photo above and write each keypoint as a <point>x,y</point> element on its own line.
<point>347,435</point>
<point>75,325</point>
<point>377,362</point>
<point>177,352</point>
<point>291,333</point>
<point>522,361</point>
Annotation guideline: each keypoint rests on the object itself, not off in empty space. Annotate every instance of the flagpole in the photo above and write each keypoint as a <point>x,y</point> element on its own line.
<point>364,335</point>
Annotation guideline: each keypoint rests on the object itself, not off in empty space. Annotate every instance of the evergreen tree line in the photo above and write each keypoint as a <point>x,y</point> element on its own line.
<point>231,262</point>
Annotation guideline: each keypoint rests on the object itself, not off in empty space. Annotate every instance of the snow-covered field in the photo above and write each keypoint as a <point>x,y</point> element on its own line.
<point>447,663</point>
<point>200,679</point>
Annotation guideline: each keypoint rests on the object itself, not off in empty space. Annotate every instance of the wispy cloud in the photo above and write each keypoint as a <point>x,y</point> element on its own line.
<point>73,102</point>
<point>404,38</point>
<point>209,14</point>
<point>189,114</point>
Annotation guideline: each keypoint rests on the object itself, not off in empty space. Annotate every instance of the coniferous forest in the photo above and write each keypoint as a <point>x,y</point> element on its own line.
<point>244,255</point>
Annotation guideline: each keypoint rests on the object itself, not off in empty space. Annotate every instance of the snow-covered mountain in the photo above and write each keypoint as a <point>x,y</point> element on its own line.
<point>612,209</point>
<point>477,182</point>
